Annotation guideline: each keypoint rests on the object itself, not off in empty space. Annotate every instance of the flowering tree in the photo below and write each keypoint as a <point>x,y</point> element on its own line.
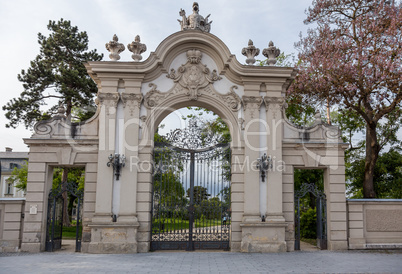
<point>353,58</point>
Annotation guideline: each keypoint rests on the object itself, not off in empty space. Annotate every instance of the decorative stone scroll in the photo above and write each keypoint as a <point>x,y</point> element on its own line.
<point>132,100</point>
<point>252,103</point>
<point>154,96</point>
<point>193,79</point>
<point>276,104</point>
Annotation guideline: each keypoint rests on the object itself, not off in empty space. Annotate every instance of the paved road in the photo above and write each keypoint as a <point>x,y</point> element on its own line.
<point>205,262</point>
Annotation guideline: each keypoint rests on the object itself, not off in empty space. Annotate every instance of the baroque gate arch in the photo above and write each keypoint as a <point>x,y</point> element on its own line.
<point>190,67</point>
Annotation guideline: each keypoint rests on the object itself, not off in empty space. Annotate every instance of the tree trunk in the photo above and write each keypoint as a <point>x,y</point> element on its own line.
<point>372,150</point>
<point>66,217</point>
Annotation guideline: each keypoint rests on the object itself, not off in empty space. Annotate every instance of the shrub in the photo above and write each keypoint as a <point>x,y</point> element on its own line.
<point>308,224</point>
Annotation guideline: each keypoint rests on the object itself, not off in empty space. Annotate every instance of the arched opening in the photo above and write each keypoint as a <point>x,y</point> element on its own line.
<point>65,209</point>
<point>191,193</point>
<point>310,210</point>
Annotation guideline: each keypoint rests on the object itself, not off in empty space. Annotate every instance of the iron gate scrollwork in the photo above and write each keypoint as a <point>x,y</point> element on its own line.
<point>55,216</point>
<point>191,191</point>
<point>321,211</point>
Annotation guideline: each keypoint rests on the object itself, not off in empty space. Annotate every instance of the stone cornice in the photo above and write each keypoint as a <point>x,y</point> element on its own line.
<point>159,61</point>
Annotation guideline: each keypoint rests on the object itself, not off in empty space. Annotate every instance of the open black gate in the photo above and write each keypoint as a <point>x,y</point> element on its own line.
<point>321,211</point>
<point>55,216</point>
<point>191,191</point>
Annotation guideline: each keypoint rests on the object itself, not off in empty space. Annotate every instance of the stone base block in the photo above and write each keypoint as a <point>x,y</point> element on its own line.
<point>235,246</point>
<point>30,247</point>
<point>357,243</point>
<point>143,247</point>
<point>265,237</point>
<point>9,245</point>
<point>112,248</point>
<point>113,238</point>
<point>338,245</point>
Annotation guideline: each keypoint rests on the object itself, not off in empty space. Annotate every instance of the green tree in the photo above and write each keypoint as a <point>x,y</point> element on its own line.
<point>58,72</point>
<point>19,177</point>
<point>200,194</point>
<point>387,175</point>
<point>353,59</point>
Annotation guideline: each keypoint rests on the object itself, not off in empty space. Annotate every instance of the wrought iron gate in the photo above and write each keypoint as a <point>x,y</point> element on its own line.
<point>191,191</point>
<point>55,216</point>
<point>321,210</point>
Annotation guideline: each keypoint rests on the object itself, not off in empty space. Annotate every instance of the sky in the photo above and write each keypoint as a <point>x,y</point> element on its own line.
<point>234,22</point>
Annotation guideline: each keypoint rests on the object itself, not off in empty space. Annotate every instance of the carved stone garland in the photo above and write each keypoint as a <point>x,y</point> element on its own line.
<point>193,79</point>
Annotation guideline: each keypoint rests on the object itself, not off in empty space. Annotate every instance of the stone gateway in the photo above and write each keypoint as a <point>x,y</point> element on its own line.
<point>191,67</point>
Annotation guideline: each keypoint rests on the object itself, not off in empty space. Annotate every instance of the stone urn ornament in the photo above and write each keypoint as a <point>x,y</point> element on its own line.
<point>250,52</point>
<point>115,48</point>
<point>271,53</point>
<point>137,48</point>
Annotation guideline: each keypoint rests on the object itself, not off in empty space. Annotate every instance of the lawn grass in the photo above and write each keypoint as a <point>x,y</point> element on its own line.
<point>70,231</point>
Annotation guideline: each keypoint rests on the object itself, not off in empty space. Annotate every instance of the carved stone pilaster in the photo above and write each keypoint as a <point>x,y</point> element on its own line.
<point>108,100</point>
<point>252,103</point>
<point>275,104</point>
<point>132,101</point>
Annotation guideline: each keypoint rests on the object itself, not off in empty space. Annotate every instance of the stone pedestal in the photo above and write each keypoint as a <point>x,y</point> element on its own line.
<point>265,237</point>
<point>113,238</point>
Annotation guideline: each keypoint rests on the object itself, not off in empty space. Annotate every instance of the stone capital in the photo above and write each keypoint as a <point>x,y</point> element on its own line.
<point>132,101</point>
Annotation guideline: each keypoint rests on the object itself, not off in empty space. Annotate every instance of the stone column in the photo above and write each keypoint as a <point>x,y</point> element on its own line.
<point>104,184</point>
<point>274,141</point>
<point>128,190</point>
<point>252,146</point>
<point>335,189</point>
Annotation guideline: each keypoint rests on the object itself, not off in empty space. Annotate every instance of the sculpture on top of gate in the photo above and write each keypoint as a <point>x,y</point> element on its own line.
<point>194,21</point>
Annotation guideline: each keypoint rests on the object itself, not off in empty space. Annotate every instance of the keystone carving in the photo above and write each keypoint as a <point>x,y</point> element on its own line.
<point>115,48</point>
<point>193,75</point>
<point>250,52</point>
<point>194,21</point>
<point>133,101</point>
<point>137,48</point>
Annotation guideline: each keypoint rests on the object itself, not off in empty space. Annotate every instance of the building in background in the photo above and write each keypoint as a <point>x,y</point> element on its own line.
<point>8,161</point>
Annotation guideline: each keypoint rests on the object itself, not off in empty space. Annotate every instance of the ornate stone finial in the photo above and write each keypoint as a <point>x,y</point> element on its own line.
<point>137,48</point>
<point>271,53</point>
<point>317,117</point>
<point>115,48</point>
<point>251,51</point>
<point>61,110</point>
<point>194,21</point>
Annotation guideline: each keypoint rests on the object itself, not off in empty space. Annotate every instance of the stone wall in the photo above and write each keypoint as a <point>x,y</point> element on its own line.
<point>11,221</point>
<point>374,223</point>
